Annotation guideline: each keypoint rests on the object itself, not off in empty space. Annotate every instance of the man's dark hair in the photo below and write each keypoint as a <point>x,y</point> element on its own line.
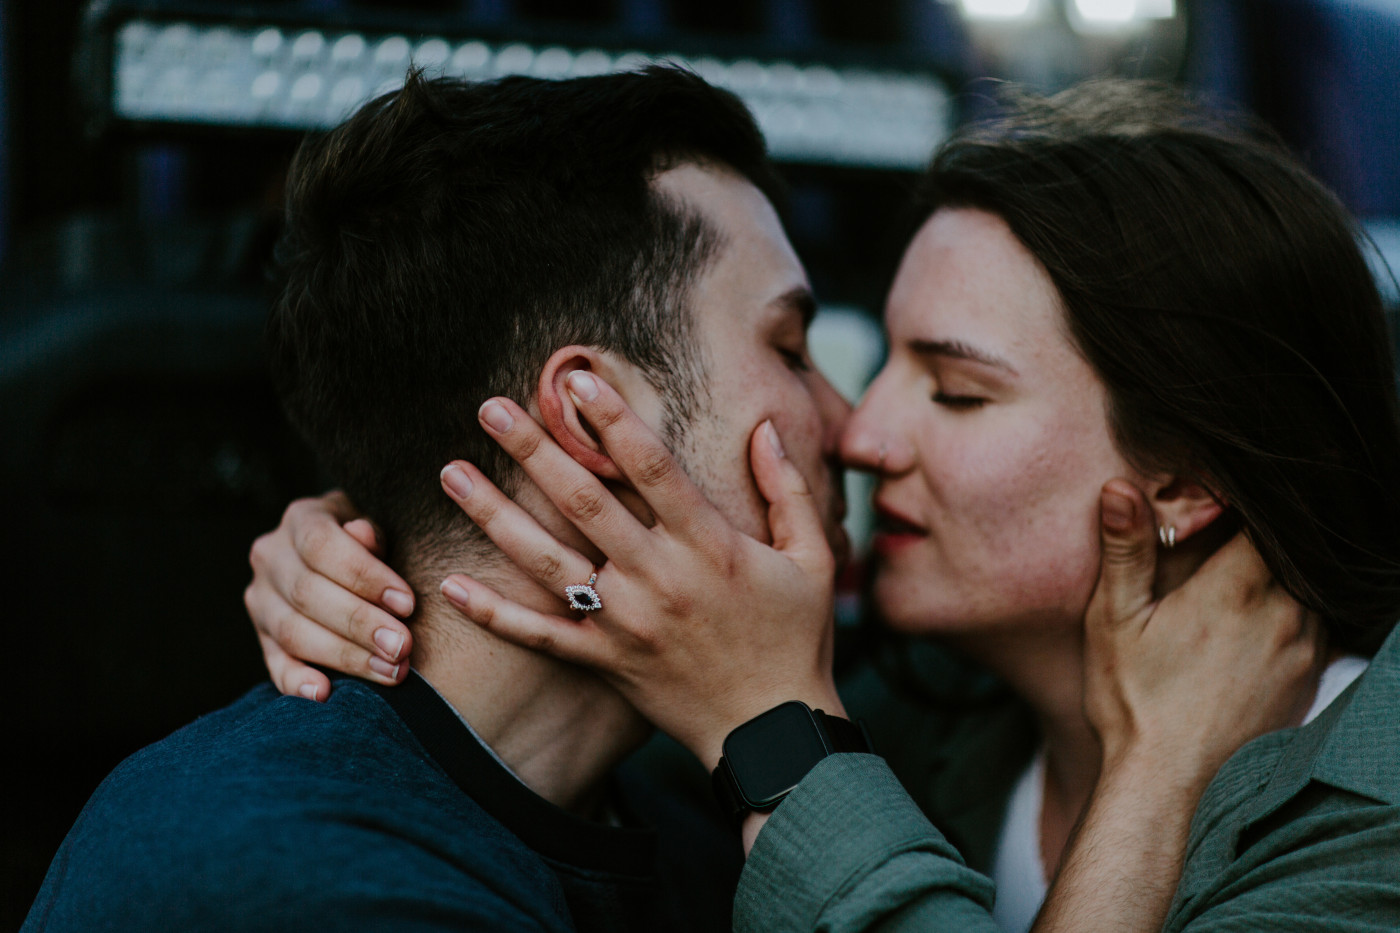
<point>1219,292</point>
<point>447,238</point>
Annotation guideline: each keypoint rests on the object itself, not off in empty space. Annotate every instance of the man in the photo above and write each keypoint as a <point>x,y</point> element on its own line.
<point>452,242</point>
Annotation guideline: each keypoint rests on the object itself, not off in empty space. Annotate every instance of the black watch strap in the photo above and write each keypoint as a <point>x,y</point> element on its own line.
<point>766,757</point>
<point>846,736</point>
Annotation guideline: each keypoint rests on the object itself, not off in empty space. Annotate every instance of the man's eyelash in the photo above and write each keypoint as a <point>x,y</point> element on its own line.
<point>964,402</point>
<point>795,360</point>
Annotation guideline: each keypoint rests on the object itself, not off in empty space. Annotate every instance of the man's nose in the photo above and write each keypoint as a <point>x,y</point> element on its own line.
<point>835,412</point>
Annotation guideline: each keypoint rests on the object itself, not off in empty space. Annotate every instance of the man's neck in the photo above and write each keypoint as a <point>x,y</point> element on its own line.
<point>560,729</point>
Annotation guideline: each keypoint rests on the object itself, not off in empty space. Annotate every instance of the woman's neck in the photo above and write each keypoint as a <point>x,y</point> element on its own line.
<point>1045,667</point>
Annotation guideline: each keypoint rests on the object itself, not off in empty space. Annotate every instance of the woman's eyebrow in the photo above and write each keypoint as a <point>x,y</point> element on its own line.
<point>959,350</point>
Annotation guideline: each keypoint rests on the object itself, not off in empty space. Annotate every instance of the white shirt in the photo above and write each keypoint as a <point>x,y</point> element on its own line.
<point>1018,871</point>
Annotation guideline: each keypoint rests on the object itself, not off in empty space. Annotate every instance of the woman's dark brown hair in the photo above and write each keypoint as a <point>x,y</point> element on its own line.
<point>1221,295</point>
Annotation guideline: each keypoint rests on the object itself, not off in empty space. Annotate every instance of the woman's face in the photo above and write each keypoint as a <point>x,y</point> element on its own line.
<point>994,438</point>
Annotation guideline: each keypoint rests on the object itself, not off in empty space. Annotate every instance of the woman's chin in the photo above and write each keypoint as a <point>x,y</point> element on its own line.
<point>900,610</point>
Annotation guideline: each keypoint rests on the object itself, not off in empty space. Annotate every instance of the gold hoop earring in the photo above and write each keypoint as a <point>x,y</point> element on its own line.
<point>1167,535</point>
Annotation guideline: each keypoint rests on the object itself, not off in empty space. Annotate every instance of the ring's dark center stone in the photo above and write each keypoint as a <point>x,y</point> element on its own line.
<point>582,597</point>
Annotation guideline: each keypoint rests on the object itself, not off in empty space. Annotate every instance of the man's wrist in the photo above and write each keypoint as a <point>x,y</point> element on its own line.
<point>1158,775</point>
<point>768,756</point>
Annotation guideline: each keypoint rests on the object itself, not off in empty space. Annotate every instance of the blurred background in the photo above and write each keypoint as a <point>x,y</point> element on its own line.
<point>142,153</point>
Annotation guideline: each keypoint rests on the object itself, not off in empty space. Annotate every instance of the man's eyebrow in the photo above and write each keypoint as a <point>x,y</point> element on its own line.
<point>799,298</point>
<point>959,350</point>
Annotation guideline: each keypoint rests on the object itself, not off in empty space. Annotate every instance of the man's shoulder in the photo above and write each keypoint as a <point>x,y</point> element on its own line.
<point>1296,816</point>
<point>276,809</point>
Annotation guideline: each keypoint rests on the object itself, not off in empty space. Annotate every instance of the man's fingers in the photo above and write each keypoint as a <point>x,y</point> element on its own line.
<point>332,551</point>
<point>793,517</point>
<point>514,530</point>
<point>1129,554</point>
<point>576,642</point>
<point>1239,562</point>
<point>643,458</point>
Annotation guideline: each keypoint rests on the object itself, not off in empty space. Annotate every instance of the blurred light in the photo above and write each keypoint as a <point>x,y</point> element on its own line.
<point>308,45</point>
<point>553,62</point>
<point>432,54</point>
<point>592,62</point>
<point>996,9</point>
<point>392,51</point>
<point>1101,15</point>
<point>470,59</point>
<point>265,43</point>
<point>348,48</point>
<point>183,73</point>
<point>1106,11</point>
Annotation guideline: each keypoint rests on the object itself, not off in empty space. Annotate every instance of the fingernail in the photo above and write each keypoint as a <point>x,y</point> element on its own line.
<point>456,593</point>
<point>456,479</point>
<point>398,602</point>
<point>1118,511</point>
<point>383,668</point>
<point>773,439</point>
<point>495,416</point>
<point>582,386</point>
<point>390,642</point>
<point>308,691</point>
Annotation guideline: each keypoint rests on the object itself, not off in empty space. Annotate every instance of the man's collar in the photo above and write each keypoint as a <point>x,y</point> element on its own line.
<point>1351,745</point>
<point>551,831</point>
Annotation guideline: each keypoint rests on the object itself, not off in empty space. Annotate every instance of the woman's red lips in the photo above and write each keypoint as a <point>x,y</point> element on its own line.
<point>893,531</point>
<point>888,521</point>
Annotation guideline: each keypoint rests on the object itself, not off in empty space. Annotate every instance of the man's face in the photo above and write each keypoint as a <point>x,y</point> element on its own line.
<point>751,308</point>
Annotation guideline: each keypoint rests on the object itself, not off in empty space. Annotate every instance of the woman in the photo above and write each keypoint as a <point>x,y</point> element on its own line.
<point>1107,285</point>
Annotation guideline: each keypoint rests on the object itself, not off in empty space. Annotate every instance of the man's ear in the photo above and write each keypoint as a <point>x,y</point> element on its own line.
<point>561,417</point>
<point>1184,503</point>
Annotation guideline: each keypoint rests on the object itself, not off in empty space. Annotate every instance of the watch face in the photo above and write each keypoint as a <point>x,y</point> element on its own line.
<point>771,754</point>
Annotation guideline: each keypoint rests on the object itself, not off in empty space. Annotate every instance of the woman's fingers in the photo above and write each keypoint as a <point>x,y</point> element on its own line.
<point>578,642</point>
<point>577,493</point>
<point>793,517</point>
<point>327,573</point>
<point>644,459</point>
<point>514,530</point>
<point>290,640</point>
<point>290,676</point>
<point>347,616</point>
<point>338,554</point>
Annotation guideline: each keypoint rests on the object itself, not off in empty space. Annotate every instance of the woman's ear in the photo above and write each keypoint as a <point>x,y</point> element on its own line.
<point>561,416</point>
<point>1184,506</point>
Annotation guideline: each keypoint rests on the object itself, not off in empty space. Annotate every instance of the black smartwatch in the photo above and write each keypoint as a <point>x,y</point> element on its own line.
<point>766,757</point>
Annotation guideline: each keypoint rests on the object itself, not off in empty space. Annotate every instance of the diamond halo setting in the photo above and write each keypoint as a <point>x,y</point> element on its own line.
<point>583,596</point>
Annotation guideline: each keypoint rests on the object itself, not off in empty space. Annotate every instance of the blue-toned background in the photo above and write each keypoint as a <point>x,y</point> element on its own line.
<point>142,450</point>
